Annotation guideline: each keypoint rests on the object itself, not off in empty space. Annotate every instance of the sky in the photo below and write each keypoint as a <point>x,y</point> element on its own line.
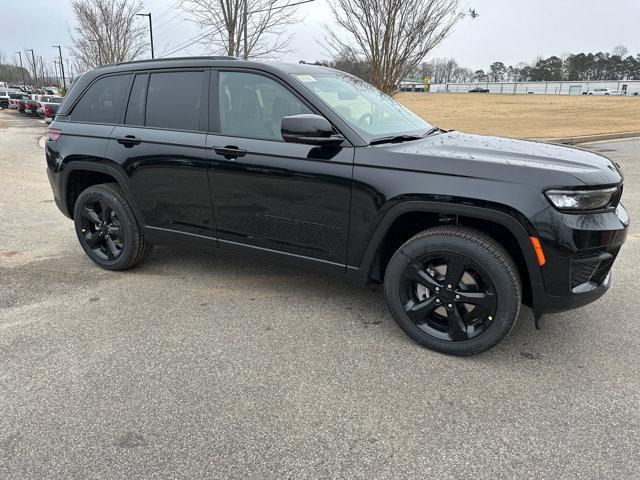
<point>510,31</point>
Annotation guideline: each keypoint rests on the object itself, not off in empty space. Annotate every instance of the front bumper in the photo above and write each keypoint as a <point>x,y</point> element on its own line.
<point>580,251</point>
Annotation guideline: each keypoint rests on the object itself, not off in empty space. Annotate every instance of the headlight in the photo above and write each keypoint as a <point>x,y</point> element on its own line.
<point>583,200</point>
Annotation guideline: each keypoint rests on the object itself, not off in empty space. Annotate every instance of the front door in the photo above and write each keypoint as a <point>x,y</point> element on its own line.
<point>161,149</point>
<point>271,197</point>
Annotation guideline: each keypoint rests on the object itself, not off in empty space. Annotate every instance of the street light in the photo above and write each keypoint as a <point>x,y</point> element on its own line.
<point>64,80</point>
<point>150,29</point>
<point>24,85</point>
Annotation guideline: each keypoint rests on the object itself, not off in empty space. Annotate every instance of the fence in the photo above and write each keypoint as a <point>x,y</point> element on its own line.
<point>545,88</point>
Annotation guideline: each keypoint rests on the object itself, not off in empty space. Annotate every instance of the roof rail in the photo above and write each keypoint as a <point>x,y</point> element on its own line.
<point>218,57</point>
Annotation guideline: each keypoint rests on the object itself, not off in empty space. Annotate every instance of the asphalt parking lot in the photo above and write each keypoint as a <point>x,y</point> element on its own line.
<point>199,365</point>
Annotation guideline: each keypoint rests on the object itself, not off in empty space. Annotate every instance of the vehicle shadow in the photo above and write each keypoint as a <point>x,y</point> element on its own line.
<point>265,280</point>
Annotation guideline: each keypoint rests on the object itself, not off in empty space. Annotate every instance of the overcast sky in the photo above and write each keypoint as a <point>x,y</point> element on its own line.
<point>510,31</point>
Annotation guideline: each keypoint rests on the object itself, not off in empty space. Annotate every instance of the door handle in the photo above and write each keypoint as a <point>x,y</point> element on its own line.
<point>230,151</point>
<point>128,141</point>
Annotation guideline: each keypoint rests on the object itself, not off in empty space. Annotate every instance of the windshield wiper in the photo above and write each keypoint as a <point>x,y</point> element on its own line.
<point>433,130</point>
<point>395,139</point>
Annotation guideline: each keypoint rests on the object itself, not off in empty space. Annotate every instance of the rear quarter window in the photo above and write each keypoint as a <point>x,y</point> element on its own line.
<point>102,101</point>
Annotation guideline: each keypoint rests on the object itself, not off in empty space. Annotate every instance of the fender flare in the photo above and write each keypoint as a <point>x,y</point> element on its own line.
<point>101,167</point>
<point>506,220</point>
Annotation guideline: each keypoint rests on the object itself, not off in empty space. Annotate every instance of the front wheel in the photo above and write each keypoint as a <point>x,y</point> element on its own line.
<point>453,290</point>
<point>107,228</point>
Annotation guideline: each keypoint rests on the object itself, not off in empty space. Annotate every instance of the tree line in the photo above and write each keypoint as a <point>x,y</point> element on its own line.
<point>614,65</point>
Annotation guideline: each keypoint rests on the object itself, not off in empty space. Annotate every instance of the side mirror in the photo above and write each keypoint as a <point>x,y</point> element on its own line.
<point>309,129</point>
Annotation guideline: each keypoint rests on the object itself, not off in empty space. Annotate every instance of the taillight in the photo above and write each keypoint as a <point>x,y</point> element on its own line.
<point>47,110</point>
<point>54,134</point>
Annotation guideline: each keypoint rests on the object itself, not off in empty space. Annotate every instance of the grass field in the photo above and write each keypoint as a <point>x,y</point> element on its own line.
<point>526,116</point>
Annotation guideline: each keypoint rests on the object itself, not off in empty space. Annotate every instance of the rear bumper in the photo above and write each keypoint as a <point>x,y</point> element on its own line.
<point>580,251</point>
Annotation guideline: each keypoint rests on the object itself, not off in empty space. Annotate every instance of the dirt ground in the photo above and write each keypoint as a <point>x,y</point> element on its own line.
<point>526,116</point>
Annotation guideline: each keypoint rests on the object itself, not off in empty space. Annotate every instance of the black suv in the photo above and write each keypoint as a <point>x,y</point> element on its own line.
<point>313,166</point>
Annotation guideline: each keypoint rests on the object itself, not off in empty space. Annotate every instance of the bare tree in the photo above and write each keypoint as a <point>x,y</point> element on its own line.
<point>393,36</point>
<point>444,70</point>
<point>619,50</point>
<point>260,33</point>
<point>106,31</point>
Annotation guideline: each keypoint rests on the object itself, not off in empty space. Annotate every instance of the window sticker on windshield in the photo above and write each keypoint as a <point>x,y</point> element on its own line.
<point>305,78</point>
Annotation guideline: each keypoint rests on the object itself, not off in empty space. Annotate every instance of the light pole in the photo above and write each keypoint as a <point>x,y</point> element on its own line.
<point>55,68</point>
<point>150,29</point>
<point>35,66</point>
<point>24,85</point>
<point>64,80</point>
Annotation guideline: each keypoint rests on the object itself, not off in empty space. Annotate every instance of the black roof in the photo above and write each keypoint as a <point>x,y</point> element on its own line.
<point>209,61</point>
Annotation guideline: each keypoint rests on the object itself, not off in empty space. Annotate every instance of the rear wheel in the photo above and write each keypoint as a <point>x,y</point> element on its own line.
<point>453,290</point>
<point>107,228</point>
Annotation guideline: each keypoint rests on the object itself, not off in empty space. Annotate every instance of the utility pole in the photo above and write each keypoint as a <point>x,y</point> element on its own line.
<point>55,67</point>
<point>150,29</point>
<point>24,85</point>
<point>35,66</point>
<point>245,15</point>
<point>64,80</point>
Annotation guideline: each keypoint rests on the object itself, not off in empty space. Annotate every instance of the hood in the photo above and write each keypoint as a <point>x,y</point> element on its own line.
<point>497,157</point>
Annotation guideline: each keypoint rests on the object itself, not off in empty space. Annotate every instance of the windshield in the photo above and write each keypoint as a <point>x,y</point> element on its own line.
<point>363,107</point>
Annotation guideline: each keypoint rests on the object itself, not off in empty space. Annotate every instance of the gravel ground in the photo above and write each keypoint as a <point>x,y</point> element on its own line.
<point>199,365</point>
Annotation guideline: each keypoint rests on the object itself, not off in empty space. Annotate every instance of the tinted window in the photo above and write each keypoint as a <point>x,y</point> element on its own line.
<point>135,110</point>
<point>101,103</point>
<point>174,100</point>
<point>253,105</point>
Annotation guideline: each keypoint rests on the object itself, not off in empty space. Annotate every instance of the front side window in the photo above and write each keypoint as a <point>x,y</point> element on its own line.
<point>253,105</point>
<point>365,108</point>
<point>174,100</point>
<point>101,102</point>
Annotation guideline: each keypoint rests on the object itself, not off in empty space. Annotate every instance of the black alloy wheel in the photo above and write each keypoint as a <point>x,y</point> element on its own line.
<point>101,229</point>
<point>107,228</point>
<point>448,296</point>
<point>454,290</point>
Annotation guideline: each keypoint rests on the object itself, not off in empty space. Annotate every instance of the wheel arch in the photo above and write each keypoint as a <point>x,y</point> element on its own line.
<point>79,175</point>
<point>406,219</point>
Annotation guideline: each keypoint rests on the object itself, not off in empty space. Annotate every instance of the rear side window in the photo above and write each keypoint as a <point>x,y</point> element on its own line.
<point>174,100</point>
<point>101,103</point>
<point>135,110</point>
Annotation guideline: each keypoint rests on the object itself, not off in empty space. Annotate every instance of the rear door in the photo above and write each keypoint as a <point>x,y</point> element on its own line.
<point>160,148</point>
<point>280,199</point>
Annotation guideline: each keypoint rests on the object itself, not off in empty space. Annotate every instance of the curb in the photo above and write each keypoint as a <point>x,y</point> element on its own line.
<point>589,138</point>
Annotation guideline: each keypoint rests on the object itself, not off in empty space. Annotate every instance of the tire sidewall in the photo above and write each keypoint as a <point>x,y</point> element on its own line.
<point>507,295</point>
<point>104,194</point>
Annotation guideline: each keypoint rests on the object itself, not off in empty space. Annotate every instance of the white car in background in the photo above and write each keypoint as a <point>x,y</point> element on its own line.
<point>602,91</point>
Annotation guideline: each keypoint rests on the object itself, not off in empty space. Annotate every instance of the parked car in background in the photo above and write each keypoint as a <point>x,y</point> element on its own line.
<point>31,105</point>
<point>20,102</point>
<point>48,106</point>
<point>5,98</point>
<point>603,91</point>
<point>479,90</point>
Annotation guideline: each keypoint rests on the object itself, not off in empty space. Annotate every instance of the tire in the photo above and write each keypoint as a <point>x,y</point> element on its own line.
<point>107,228</point>
<point>426,309</point>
